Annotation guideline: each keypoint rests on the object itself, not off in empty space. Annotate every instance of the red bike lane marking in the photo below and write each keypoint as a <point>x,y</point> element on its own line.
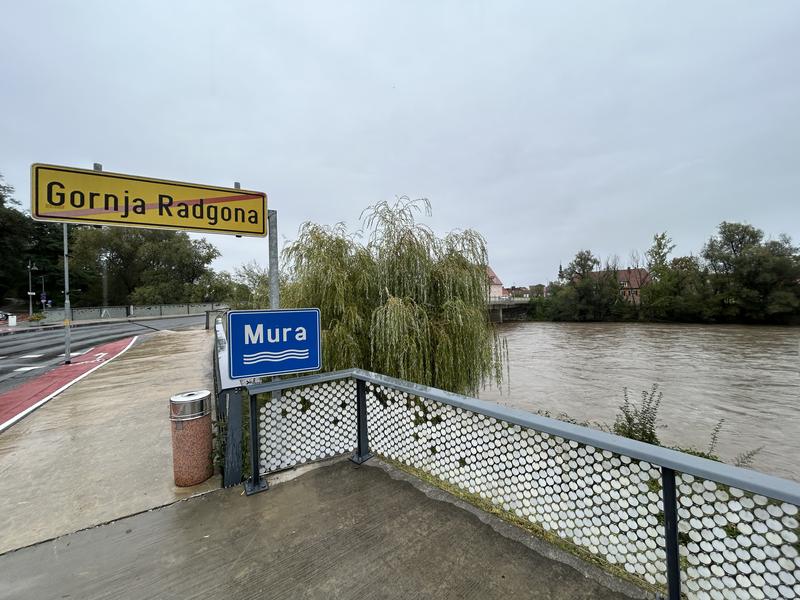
<point>24,399</point>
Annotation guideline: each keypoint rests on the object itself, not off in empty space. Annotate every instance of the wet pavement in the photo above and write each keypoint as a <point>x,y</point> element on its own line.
<point>339,531</point>
<point>101,450</point>
<point>26,353</point>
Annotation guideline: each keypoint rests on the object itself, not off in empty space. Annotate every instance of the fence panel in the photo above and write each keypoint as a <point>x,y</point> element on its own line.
<point>307,424</point>
<point>731,539</point>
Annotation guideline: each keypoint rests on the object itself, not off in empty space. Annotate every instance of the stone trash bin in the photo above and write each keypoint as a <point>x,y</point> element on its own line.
<point>190,413</point>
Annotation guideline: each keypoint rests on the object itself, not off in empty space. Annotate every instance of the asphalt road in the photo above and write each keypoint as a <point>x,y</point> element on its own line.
<point>27,355</point>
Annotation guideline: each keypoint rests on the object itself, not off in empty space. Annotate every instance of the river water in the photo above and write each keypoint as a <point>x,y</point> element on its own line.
<point>748,375</point>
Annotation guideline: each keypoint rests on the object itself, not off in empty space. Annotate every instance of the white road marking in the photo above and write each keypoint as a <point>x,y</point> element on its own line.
<point>26,369</point>
<point>100,356</point>
<point>78,353</point>
<point>32,356</point>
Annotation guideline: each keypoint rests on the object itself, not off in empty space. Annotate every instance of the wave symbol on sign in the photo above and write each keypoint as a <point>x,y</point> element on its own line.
<point>259,357</point>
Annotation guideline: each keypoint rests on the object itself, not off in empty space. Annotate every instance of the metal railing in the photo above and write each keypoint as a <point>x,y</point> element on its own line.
<point>692,527</point>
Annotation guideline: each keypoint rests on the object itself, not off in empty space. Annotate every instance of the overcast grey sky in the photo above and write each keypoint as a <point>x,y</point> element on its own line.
<point>548,127</point>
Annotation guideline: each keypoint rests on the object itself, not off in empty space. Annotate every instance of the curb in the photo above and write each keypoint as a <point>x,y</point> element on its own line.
<point>76,324</point>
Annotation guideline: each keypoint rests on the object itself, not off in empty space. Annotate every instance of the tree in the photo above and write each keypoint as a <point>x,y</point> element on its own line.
<point>21,240</point>
<point>250,286</point>
<point>213,286</point>
<point>680,292</point>
<point>658,255</point>
<point>732,239</point>
<point>581,266</point>
<point>144,266</point>
<point>754,281</point>
<point>14,241</point>
<point>407,303</point>
<point>584,293</point>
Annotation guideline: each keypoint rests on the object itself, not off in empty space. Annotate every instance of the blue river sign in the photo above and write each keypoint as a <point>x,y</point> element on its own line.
<point>273,342</point>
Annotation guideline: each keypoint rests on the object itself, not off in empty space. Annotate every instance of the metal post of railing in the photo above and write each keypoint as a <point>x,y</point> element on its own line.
<point>671,533</point>
<point>233,438</point>
<point>362,452</point>
<point>256,483</point>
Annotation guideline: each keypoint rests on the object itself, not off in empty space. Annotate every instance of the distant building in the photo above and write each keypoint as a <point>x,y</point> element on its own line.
<point>538,291</point>
<point>496,289</point>
<point>631,282</point>
<point>519,292</point>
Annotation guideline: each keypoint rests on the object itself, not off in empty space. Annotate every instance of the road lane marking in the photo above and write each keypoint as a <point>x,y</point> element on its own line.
<point>26,368</point>
<point>78,353</point>
<point>32,356</point>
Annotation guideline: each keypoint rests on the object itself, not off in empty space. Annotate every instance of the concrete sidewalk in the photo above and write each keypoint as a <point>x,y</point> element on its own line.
<point>101,450</point>
<point>339,531</point>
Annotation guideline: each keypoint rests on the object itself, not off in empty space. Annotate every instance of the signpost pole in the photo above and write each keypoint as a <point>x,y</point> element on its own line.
<point>30,290</point>
<point>67,307</point>
<point>274,289</point>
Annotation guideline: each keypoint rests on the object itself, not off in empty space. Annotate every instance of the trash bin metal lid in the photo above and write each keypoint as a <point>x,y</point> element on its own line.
<point>189,405</point>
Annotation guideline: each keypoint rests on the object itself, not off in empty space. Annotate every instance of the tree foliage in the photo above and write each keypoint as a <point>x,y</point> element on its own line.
<point>406,303</point>
<point>739,277</point>
<point>145,266</point>
<point>755,281</point>
<point>658,255</point>
<point>13,242</point>
<point>22,240</point>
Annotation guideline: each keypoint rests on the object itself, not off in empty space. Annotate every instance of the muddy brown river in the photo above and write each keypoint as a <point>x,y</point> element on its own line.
<point>747,375</point>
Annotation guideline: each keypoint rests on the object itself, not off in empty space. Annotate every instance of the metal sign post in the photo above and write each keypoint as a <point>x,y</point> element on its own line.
<point>274,288</point>
<point>67,307</point>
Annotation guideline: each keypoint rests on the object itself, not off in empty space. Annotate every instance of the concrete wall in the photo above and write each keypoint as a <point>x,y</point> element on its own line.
<point>53,316</point>
<point>174,309</point>
<point>108,312</point>
<point>145,311</point>
<point>96,313</point>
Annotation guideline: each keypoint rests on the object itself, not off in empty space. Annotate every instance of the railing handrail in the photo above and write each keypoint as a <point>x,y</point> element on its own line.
<point>738,477</point>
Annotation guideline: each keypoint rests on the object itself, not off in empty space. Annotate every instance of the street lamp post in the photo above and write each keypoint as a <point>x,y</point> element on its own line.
<point>31,267</point>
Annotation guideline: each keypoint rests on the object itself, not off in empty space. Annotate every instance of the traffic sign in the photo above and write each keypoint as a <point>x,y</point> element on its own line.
<point>274,342</point>
<point>70,195</point>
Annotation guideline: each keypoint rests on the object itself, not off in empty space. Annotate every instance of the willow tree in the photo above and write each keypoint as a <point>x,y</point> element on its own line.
<point>397,299</point>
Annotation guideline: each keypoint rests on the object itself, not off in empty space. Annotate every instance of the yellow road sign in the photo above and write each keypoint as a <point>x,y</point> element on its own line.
<point>65,194</point>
